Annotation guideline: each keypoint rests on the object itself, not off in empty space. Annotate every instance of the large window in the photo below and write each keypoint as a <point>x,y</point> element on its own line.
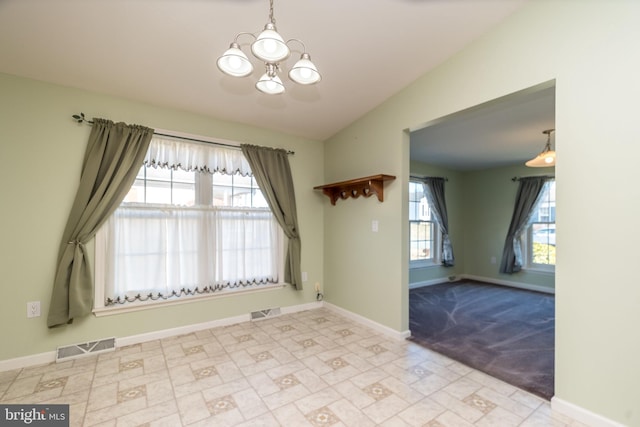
<point>187,233</point>
<point>540,236</point>
<point>424,234</point>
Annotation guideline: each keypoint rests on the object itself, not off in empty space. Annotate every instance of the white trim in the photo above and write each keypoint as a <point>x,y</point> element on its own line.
<point>369,323</point>
<point>509,283</point>
<point>26,361</point>
<point>227,321</point>
<point>181,330</point>
<point>301,307</point>
<point>431,282</point>
<point>581,414</point>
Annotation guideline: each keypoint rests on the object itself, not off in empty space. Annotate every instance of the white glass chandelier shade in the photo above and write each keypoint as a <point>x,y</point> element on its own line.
<point>269,45</point>
<point>543,160</point>
<point>547,157</point>
<point>271,85</point>
<point>304,71</point>
<point>234,62</point>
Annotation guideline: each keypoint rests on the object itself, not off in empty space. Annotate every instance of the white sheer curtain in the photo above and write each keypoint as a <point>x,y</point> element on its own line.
<point>157,252</point>
<point>150,251</point>
<point>191,156</point>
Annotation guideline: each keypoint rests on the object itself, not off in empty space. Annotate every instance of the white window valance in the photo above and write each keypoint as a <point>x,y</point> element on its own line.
<point>194,156</point>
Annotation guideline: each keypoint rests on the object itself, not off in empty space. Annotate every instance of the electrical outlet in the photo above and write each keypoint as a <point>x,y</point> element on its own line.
<point>374,225</point>
<point>33,309</point>
<point>304,276</point>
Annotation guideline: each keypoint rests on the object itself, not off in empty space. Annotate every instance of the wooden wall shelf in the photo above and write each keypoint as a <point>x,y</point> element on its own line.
<point>355,188</point>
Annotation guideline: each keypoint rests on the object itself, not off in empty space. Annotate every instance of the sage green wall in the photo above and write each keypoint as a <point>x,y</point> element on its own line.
<point>41,149</point>
<point>489,197</point>
<point>480,205</point>
<point>590,49</point>
<point>455,210</point>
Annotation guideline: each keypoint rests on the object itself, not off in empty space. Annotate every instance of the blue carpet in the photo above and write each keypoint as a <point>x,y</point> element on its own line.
<point>505,332</point>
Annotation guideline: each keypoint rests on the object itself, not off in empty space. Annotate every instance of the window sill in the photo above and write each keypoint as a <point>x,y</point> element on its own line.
<point>423,264</point>
<point>146,305</point>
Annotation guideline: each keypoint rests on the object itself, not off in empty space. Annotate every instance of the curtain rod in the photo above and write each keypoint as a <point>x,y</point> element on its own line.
<point>425,177</point>
<point>518,178</point>
<point>81,119</point>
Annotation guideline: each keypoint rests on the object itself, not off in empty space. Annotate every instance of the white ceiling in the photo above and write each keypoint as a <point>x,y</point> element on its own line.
<point>502,132</point>
<point>163,52</point>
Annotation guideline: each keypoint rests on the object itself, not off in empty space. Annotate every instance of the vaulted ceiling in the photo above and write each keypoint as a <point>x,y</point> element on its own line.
<point>164,52</point>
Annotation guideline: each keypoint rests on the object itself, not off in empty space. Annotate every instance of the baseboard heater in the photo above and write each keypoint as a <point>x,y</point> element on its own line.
<point>75,351</point>
<point>263,314</point>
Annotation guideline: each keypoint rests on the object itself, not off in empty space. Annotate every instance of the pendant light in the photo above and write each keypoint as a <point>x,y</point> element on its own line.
<point>271,49</point>
<point>547,157</point>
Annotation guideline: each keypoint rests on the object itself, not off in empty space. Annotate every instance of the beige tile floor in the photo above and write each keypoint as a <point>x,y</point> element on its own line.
<point>312,368</point>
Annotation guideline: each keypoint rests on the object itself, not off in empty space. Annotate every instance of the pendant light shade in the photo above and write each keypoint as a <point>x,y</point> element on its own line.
<point>269,45</point>
<point>304,71</point>
<point>271,85</point>
<point>271,49</point>
<point>547,157</point>
<point>234,62</point>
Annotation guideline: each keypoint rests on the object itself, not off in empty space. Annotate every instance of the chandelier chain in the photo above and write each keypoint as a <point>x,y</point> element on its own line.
<point>271,18</point>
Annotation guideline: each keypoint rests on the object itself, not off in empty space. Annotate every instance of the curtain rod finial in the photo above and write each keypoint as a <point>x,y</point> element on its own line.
<point>79,118</point>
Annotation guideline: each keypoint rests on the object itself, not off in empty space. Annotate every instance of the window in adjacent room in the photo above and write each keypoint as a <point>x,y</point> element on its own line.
<point>540,236</point>
<point>183,232</point>
<point>424,232</point>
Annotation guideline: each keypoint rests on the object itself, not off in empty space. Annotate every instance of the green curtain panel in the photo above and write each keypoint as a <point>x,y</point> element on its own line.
<point>272,172</point>
<point>114,155</point>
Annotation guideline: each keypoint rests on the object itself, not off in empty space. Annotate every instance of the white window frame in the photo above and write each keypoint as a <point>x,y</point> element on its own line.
<point>527,247</point>
<point>202,188</point>
<point>436,258</point>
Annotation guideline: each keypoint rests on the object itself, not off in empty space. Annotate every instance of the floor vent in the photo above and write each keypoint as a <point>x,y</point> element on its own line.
<point>75,351</point>
<point>263,314</point>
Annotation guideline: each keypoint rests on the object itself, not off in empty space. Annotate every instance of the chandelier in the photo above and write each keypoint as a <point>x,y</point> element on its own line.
<point>547,157</point>
<point>270,48</point>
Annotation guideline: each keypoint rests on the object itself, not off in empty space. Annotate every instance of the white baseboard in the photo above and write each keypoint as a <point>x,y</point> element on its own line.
<point>50,356</point>
<point>369,323</point>
<point>302,307</point>
<point>580,414</point>
<point>432,282</point>
<point>26,361</point>
<point>509,283</point>
<point>181,330</point>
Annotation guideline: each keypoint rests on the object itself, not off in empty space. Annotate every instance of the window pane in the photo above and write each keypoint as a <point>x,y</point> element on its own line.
<point>258,199</point>
<point>159,192</point>
<point>180,175</point>
<point>162,174</point>
<point>242,181</point>
<point>222,195</point>
<point>184,194</point>
<point>222,179</point>
<point>241,196</point>
<point>420,240</point>
<point>542,232</point>
<point>136,193</point>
